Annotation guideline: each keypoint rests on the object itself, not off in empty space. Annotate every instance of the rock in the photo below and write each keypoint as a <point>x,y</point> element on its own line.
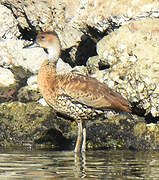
<point>133,65</point>
<point>80,70</point>
<point>93,64</point>
<point>8,85</point>
<point>12,53</point>
<point>26,124</point>
<point>28,94</point>
<point>62,67</point>
<point>6,77</point>
<point>30,124</point>
<point>42,102</point>
<point>8,24</point>
<point>32,82</point>
<point>30,57</point>
<point>8,93</point>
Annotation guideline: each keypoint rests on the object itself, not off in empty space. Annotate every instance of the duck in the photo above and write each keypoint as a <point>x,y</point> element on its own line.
<point>75,95</point>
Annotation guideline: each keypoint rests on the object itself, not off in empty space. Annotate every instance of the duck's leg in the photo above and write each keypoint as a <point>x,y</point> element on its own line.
<point>79,137</point>
<point>84,137</point>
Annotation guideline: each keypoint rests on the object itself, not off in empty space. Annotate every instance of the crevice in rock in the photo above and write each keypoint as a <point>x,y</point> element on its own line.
<point>87,46</point>
<point>27,33</point>
<point>150,119</point>
<point>77,56</point>
<point>86,49</point>
<point>141,112</point>
<point>55,138</point>
<point>90,38</point>
<point>103,65</point>
<point>138,111</point>
<point>66,57</point>
<point>97,35</point>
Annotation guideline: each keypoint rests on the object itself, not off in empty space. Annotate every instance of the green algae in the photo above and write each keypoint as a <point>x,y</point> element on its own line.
<point>31,124</point>
<point>26,94</point>
<point>21,123</point>
<point>139,129</point>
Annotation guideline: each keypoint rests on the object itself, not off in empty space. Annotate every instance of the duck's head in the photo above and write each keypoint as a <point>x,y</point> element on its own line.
<point>50,42</point>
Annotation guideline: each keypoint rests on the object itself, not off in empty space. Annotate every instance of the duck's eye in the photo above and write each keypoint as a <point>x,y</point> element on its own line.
<point>42,37</point>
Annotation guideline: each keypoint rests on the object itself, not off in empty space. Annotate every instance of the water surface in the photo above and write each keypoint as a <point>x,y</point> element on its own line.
<point>55,165</point>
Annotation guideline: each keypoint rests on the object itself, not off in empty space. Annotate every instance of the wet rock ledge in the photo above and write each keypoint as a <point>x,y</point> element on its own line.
<point>116,42</point>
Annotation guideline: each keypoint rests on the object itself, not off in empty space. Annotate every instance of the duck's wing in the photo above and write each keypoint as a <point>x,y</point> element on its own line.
<point>90,92</point>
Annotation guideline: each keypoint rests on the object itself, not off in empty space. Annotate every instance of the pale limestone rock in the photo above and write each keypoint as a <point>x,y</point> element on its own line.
<point>42,102</point>
<point>80,70</point>
<point>32,59</point>
<point>62,67</point>
<point>134,68</point>
<point>6,77</point>
<point>32,82</point>
<point>92,64</point>
<point>8,24</point>
<point>12,53</point>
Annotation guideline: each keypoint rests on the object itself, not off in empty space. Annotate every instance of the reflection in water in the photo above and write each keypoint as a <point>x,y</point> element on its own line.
<point>80,164</point>
<point>55,165</point>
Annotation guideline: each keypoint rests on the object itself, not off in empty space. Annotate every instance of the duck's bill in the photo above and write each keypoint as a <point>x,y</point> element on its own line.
<point>32,45</point>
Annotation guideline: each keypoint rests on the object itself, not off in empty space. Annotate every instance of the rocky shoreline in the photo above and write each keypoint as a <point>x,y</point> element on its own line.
<point>113,41</point>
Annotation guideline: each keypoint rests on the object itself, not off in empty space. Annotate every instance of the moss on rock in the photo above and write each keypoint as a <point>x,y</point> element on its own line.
<point>33,124</point>
<point>24,123</point>
<point>26,94</point>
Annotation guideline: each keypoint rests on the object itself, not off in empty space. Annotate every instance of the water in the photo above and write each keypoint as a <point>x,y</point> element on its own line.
<point>55,165</point>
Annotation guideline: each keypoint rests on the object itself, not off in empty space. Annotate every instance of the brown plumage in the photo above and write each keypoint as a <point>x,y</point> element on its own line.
<point>77,96</point>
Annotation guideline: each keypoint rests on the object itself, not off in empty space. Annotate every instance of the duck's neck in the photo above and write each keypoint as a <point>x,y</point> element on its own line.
<point>53,55</point>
